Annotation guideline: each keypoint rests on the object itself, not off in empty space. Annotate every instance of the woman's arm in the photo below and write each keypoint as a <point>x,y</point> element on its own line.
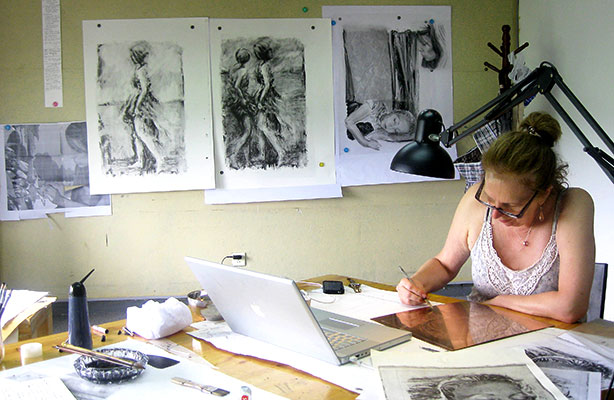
<point>441,269</point>
<point>576,243</point>
<point>360,114</point>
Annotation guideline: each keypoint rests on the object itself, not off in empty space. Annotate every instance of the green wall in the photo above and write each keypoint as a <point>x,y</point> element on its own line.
<point>139,250</point>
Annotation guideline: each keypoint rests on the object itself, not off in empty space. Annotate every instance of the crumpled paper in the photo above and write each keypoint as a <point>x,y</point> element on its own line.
<point>155,320</point>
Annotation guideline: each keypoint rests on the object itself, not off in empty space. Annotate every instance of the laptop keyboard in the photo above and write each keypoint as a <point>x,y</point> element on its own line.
<point>340,340</point>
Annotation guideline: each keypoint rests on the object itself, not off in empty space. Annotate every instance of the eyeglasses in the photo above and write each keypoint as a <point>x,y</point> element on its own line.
<point>507,213</point>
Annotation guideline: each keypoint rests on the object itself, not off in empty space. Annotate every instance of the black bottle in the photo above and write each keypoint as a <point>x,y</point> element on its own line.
<point>79,333</point>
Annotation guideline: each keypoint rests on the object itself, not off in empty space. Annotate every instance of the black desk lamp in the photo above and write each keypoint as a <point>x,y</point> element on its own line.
<point>541,80</point>
<point>425,156</point>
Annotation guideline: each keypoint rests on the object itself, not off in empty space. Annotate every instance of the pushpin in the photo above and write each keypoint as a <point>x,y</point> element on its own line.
<point>346,150</point>
<point>305,9</point>
<point>55,103</point>
<point>7,127</point>
<point>431,21</point>
<point>321,164</point>
<point>333,22</point>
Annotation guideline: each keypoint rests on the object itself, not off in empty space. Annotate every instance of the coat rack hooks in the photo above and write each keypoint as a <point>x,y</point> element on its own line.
<point>503,52</point>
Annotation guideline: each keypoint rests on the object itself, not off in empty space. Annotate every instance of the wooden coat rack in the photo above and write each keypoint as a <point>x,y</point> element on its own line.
<point>504,51</point>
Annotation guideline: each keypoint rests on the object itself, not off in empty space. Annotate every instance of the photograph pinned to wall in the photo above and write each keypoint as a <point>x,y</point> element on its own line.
<point>390,63</point>
<point>45,170</point>
<point>272,106</point>
<point>148,107</point>
<point>513,381</point>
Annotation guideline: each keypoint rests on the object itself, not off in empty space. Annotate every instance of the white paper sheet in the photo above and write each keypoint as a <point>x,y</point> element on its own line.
<point>20,300</point>
<point>52,53</point>
<point>50,388</point>
<point>367,304</point>
<point>148,104</point>
<point>479,357</point>
<point>366,31</point>
<point>46,170</point>
<point>359,378</point>
<point>153,383</point>
<point>272,106</point>
<point>229,196</point>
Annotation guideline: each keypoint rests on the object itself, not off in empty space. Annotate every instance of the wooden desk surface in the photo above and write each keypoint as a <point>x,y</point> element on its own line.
<point>274,377</point>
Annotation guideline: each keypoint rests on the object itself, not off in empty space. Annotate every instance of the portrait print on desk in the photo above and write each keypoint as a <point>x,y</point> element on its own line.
<point>513,381</point>
<point>45,170</point>
<point>562,354</point>
<point>272,103</point>
<point>390,63</point>
<point>148,104</point>
<point>459,325</point>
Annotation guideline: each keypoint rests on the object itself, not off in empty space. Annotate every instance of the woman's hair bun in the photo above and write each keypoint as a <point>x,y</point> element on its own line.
<point>543,126</point>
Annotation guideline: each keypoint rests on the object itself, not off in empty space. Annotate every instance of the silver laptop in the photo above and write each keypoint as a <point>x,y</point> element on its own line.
<point>272,309</point>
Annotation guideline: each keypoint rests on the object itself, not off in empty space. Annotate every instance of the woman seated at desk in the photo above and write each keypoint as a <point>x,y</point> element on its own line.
<point>530,238</point>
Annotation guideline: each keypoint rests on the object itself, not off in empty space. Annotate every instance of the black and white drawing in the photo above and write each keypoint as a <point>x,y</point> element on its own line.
<point>264,102</point>
<point>148,104</point>
<point>272,91</point>
<point>560,354</point>
<point>514,381</point>
<point>46,167</point>
<point>384,106</point>
<point>575,384</point>
<point>390,64</point>
<point>140,103</point>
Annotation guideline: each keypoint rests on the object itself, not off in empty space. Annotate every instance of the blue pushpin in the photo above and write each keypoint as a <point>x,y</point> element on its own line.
<point>333,22</point>
<point>431,21</point>
<point>7,127</point>
<point>346,150</point>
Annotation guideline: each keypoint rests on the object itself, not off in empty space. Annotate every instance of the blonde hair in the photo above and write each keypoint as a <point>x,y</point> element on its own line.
<point>528,153</point>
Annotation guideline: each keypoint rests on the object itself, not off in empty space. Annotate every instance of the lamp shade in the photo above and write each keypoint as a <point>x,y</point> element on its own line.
<point>425,156</point>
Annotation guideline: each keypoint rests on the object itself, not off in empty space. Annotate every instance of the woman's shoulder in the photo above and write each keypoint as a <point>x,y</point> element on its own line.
<point>576,204</point>
<point>576,197</point>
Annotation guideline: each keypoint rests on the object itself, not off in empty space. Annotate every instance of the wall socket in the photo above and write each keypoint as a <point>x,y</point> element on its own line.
<point>239,259</point>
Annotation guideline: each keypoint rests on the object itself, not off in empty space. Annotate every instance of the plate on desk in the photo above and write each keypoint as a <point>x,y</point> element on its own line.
<point>458,325</point>
<point>99,371</point>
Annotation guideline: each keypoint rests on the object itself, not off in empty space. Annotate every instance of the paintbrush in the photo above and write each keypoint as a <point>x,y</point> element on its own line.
<point>426,300</point>
<point>99,356</point>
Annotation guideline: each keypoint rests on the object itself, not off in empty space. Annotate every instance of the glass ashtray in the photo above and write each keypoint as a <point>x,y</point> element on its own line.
<point>100,371</point>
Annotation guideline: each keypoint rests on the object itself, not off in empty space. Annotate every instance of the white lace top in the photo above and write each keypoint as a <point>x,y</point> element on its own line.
<point>492,278</point>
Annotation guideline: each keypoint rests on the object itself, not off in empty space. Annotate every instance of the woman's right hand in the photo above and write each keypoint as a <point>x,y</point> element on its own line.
<point>409,293</point>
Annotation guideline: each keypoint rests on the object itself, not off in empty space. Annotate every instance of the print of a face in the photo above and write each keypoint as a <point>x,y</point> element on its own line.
<point>395,122</point>
<point>491,391</point>
<point>425,48</point>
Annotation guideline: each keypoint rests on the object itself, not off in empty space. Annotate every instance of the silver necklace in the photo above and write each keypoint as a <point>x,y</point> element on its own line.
<point>525,242</point>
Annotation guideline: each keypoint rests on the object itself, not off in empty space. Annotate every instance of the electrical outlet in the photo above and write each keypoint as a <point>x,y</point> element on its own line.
<point>239,259</point>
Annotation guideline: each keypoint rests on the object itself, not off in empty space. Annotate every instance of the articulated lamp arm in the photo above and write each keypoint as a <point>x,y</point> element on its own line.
<point>541,81</point>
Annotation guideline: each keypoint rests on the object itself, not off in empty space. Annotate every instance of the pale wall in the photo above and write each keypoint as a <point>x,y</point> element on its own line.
<point>139,250</point>
<point>576,37</point>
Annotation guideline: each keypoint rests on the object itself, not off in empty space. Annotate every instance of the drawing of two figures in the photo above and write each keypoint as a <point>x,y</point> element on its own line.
<point>255,131</point>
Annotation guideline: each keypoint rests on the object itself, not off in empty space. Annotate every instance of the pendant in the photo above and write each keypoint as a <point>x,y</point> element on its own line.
<point>525,243</point>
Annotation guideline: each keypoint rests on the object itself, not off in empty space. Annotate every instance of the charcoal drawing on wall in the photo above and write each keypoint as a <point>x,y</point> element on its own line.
<point>263,103</point>
<point>140,105</point>
<point>381,80</point>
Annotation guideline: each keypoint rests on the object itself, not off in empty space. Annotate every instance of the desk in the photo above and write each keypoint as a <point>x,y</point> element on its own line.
<point>273,377</point>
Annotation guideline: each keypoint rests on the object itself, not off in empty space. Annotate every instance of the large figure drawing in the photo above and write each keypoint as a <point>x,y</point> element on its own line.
<point>375,112</point>
<point>140,100</point>
<point>264,103</point>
